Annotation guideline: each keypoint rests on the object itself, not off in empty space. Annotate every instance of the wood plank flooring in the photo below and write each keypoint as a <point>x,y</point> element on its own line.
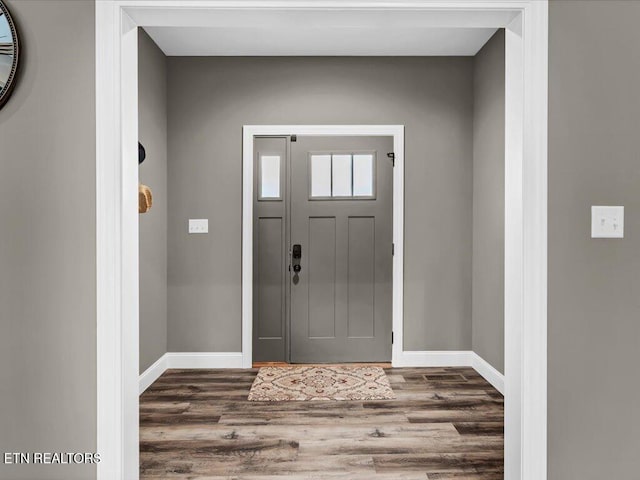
<point>445,424</point>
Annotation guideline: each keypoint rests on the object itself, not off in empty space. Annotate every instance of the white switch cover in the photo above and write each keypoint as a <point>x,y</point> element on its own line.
<point>198,225</point>
<point>607,222</point>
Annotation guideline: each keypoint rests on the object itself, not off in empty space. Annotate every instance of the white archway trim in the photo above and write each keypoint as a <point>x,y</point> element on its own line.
<point>526,25</point>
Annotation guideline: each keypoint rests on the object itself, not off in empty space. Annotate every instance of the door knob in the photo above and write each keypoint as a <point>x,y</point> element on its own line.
<point>296,255</point>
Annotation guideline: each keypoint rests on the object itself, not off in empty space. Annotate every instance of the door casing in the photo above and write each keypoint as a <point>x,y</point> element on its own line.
<point>249,132</point>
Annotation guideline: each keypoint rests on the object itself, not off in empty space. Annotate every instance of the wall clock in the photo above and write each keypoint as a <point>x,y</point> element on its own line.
<point>9,53</point>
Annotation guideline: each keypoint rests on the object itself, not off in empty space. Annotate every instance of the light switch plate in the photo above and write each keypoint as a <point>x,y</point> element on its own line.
<point>607,222</point>
<point>198,225</point>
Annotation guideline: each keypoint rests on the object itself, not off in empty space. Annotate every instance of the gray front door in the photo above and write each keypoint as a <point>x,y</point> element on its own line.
<point>341,233</point>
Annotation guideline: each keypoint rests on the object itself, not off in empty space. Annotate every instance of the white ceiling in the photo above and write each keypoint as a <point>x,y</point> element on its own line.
<point>307,40</point>
<point>241,32</point>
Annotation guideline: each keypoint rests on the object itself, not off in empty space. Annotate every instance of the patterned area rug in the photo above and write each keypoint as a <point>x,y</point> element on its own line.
<point>277,384</point>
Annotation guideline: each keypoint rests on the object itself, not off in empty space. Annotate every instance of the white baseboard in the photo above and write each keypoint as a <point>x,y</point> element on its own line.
<point>490,374</point>
<point>188,360</point>
<point>462,358</point>
<point>152,373</point>
<point>204,359</point>
<point>443,358</point>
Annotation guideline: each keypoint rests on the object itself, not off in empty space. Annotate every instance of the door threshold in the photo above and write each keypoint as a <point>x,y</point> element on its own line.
<point>350,364</point>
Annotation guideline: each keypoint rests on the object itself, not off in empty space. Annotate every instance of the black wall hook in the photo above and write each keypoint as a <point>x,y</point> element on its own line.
<point>142,153</point>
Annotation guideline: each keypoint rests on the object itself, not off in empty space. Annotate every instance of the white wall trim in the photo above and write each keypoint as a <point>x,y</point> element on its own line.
<point>526,24</point>
<point>249,132</point>
<point>152,373</point>
<point>110,394</point>
<point>490,374</point>
<point>533,413</point>
<point>514,246</point>
<point>205,360</point>
<point>117,286</point>
<point>453,358</point>
<point>444,358</point>
<point>188,360</point>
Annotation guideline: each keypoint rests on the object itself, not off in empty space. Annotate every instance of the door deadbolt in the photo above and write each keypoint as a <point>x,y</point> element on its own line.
<point>296,256</point>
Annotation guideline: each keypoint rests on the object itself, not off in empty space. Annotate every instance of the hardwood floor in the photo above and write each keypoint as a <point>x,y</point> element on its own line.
<point>445,424</point>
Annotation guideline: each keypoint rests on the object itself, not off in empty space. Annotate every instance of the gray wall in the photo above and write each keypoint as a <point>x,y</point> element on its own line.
<point>594,284</point>
<point>488,202</point>
<point>47,213</point>
<point>47,242</point>
<point>209,101</point>
<point>152,124</point>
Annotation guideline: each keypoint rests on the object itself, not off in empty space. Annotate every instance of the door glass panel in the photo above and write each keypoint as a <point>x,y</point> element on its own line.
<point>270,176</point>
<point>320,175</point>
<point>341,175</point>
<point>363,175</point>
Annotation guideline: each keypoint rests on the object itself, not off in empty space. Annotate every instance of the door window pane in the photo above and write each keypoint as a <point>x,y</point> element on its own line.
<point>341,175</point>
<point>320,175</point>
<point>270,176</point>
<point>363,175</point>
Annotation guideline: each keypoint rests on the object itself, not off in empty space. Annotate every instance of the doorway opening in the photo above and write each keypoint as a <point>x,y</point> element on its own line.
<point>341,187</point>
<point>323,249</point>
<point>525,222</point>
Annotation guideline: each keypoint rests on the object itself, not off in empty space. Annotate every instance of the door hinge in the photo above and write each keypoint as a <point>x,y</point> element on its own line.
<point>391,338</point>
<point>392,156</point>
<point>393,249</point>
<point>294,138</point>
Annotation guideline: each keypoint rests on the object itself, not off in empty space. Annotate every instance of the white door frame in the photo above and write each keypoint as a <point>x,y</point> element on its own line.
<point>249,132</point>
<point>526,24</point>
